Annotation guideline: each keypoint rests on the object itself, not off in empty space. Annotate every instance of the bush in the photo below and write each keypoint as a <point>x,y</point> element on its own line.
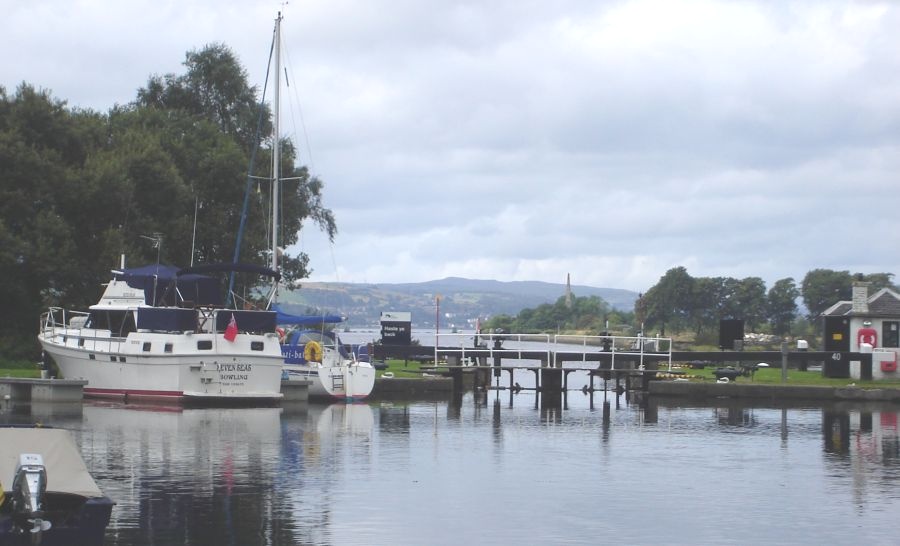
<point>16,349</point>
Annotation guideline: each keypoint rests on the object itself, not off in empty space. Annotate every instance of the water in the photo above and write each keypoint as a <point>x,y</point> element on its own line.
<point>494,469</point>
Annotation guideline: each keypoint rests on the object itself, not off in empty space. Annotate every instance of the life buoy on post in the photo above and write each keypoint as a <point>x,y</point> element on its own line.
<point>312,352</point>
<point>867,334</point>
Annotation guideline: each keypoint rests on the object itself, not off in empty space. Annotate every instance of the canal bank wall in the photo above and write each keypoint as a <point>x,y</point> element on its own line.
<point>408,386</point>
<point>771,392</point>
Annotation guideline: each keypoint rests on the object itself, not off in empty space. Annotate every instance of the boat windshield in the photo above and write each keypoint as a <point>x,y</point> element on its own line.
<point>327,340</point>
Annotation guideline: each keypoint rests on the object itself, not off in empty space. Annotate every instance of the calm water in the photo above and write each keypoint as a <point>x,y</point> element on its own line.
<point>480,470</point>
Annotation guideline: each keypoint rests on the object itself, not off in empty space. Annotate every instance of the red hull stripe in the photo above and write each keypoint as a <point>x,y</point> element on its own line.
<point>132,392</point>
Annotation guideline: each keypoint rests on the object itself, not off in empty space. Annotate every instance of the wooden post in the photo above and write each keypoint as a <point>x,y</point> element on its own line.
<point>784,361</point>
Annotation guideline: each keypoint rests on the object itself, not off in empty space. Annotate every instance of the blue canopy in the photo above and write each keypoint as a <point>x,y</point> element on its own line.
<point>161,281</point>
<point>304,320</point>
<point>229,267</point>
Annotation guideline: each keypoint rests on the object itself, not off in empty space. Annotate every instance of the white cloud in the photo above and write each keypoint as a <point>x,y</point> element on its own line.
<point>528,140</point>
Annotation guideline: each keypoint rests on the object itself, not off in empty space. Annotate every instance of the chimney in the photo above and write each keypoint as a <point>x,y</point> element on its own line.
<point>860,297</point>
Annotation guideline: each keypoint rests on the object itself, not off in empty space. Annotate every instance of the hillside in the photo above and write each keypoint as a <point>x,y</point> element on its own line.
<point>462,300</point>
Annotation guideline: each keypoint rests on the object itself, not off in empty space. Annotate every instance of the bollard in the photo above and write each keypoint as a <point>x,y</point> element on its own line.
<point>784,361</point>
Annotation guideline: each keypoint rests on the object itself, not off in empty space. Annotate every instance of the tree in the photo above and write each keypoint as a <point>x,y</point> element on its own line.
<point>749,300</point>
<point>705,308</point>
<point>669,300</point>
<point>214,90</point>
<point>43,146</point>
<point>822,288</point>
<point>79,188</point>
<point>585,314</point>
<point>781,302</point>
<point>879,281</point>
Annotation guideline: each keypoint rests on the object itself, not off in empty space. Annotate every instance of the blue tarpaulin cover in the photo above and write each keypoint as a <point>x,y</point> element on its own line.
<point>159,283</point>
<point>304,320</point>
<point>259,322</point>
<point>167,319</point>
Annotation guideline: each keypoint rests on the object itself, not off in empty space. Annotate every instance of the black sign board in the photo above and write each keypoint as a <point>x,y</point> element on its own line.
<point>396,333</point>
<point>731,334</point>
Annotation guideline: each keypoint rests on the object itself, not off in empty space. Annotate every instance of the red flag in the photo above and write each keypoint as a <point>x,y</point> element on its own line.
<point>231,331</point>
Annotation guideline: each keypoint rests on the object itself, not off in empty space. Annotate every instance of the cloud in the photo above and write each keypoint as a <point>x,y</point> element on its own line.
<point>528,140</point>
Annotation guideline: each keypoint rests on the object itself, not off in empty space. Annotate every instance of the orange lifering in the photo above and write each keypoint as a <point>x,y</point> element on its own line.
<point>312,352</point>
<point>280,332</point>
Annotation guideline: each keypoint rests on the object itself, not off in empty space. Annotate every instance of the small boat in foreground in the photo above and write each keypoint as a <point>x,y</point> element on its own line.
<point>47,495</point>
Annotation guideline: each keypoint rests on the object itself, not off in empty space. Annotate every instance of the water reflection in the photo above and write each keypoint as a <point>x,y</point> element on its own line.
<point>344,474</point>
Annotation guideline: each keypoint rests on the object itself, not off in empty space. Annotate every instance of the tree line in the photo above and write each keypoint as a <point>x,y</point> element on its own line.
<point>79,188</point>
<point>574,314</point>
<point>679,302</point>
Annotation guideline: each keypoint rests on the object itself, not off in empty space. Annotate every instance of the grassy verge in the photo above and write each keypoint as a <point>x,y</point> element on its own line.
<point>772,376</point>
<point>18,368</point>
<point>408,368</point>
<point>19,372</point>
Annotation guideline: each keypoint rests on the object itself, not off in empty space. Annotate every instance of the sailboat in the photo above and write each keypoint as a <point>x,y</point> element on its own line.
<point>314,355</point>
<point>317,355</point>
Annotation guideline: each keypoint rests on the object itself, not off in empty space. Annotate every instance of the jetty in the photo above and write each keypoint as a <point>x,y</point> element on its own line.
<point>20,389</point>
<point>631,362</point>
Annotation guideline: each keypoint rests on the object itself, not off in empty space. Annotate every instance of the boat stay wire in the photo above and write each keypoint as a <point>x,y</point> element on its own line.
<point>250,177</point>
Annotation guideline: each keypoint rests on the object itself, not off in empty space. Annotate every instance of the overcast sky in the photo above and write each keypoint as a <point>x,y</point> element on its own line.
<point>524,140</point>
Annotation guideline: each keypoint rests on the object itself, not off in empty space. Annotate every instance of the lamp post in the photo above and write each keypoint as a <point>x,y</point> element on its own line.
<point>437,319</point>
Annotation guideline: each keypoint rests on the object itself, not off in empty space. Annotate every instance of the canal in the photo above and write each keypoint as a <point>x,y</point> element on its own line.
<point>481,469</point>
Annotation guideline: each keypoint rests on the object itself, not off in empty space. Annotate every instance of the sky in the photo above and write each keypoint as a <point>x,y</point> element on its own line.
<point>531,140</point>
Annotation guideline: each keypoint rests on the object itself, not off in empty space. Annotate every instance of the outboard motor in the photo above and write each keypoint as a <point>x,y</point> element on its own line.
<point>29,486</point>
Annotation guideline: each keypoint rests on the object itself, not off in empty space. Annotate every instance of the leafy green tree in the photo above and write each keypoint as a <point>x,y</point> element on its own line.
<point>503,323</point>
<point>43,146</point>
<point>781,303</point>
<point>749,299</point>
<point>705,305</point>
<point>822,288</point>
<point>585,314</point>
<point>214,88</point>
<point>668,302</point>
<point>879,281</point>
<point>211,100</point>
<point>80,188</point>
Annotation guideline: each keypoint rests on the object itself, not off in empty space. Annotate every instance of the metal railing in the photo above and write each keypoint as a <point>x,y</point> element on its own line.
<point>547,348</point>
<point>57,327</point>
<point>493,344</point>
<point>631,346</point>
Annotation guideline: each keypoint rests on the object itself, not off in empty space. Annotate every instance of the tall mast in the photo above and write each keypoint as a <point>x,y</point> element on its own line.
<point>276,150</point>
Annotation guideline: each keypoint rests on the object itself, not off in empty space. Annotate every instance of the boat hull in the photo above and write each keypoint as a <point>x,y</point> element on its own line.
<point>85,525</point>
<point>350,382</point>
<point>117,370</point>
<point>72,503</point>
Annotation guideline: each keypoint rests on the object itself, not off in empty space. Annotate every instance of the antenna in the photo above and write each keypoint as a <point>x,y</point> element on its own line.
<point>156,238</point>
<point>157,244</point>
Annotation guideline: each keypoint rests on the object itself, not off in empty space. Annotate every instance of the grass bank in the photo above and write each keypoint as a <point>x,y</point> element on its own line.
<point>772,376</point>
<point>19,372</point>
<point>406,368</point>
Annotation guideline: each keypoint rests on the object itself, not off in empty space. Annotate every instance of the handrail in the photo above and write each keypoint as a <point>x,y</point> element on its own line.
<point>560,343</point>
<point>56,322</point>
<point>494,344</point>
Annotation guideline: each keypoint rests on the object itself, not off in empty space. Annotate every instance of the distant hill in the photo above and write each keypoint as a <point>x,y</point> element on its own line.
<point>462,300</point>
